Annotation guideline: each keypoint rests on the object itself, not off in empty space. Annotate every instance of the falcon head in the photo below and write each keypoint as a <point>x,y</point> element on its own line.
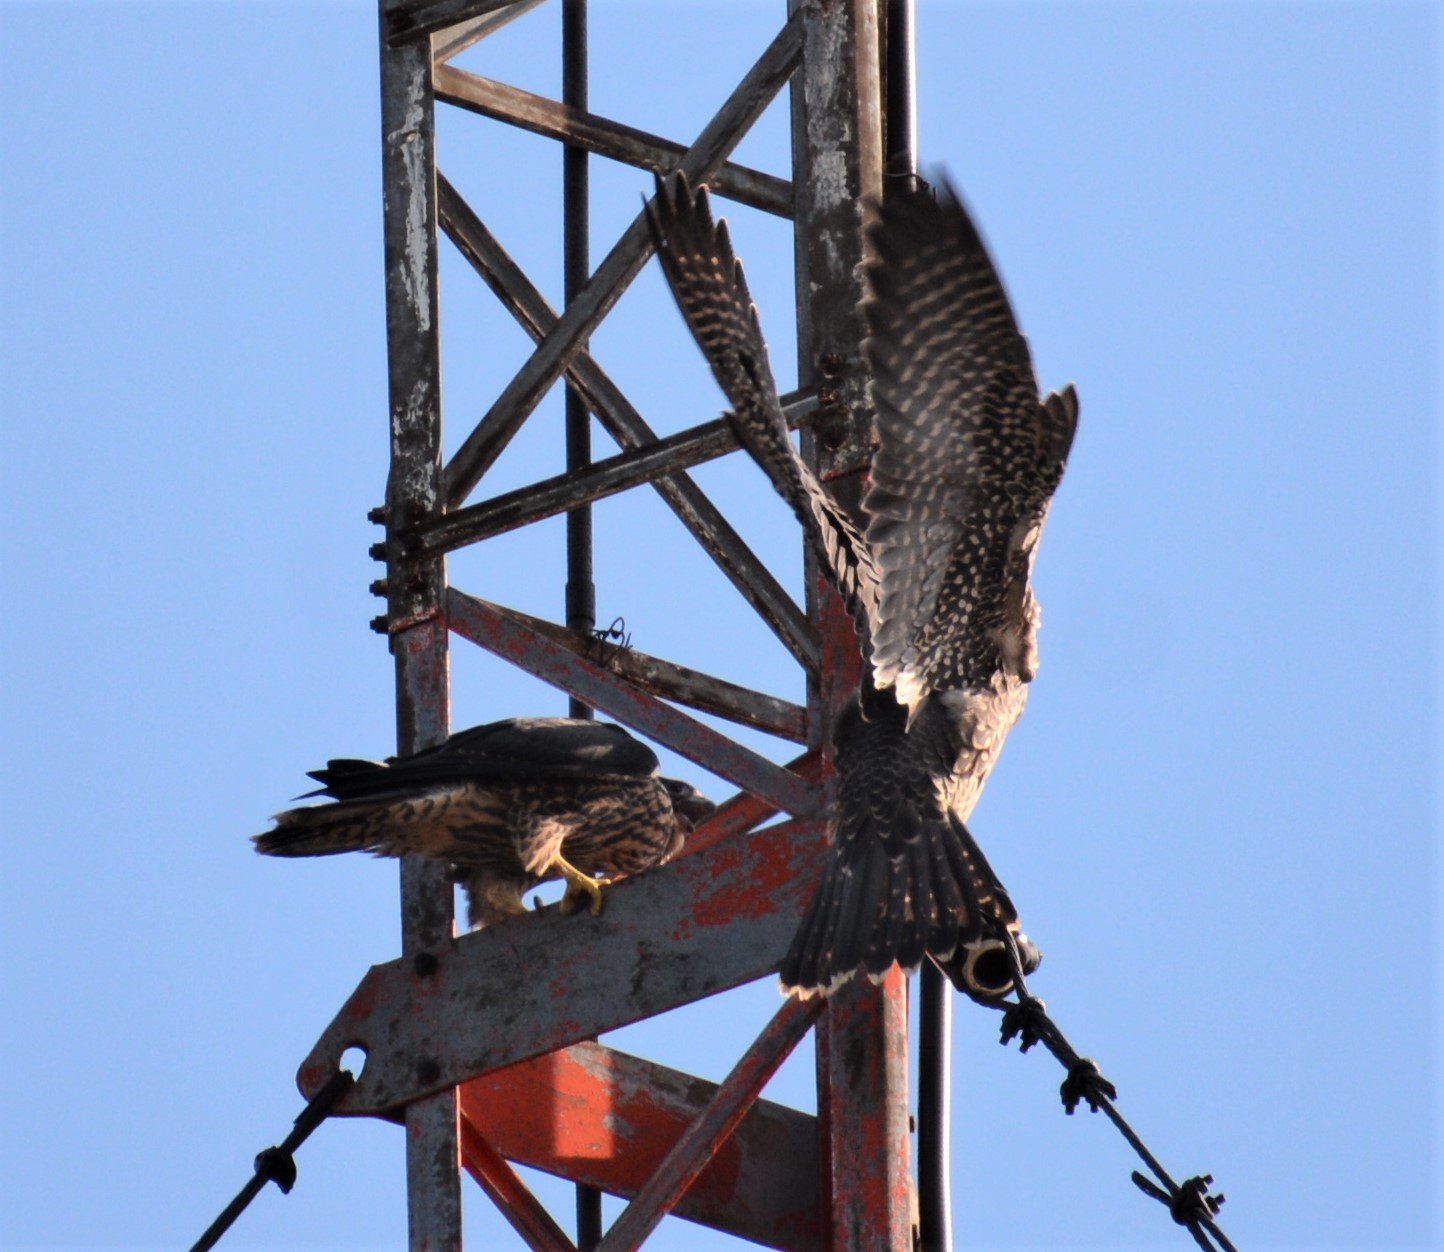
<point>691,808</point>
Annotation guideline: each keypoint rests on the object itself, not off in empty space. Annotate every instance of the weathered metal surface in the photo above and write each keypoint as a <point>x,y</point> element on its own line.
<point>862,1054</point>
<point>550,496</point>
<point>410,21</point>
<point>504,103</point>
<point>530,985</point>
<point>476,620</point>
<point>456,39</point>
<point>697,1144</point>
<point>726,129</point>
<point>673,682</point>
<point>600,1116</point>
<point>415,588</point>
<point>836,169</point>
<point>742,812</point>
<point>701,517</point>
<point>500,1182</point>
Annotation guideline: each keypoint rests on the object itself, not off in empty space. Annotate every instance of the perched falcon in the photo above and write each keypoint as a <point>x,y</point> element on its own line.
<point>509,805</point>
<point>938,576</point>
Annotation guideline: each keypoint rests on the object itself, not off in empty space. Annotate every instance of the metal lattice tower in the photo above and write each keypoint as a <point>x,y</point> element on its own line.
<point>453,1044</point>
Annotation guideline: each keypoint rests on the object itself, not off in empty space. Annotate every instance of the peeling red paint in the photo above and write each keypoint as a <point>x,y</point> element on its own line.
<point>614,1117</point>
<point>753,892</point>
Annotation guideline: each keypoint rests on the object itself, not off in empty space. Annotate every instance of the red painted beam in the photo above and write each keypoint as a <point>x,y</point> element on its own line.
<point>516,1202</point>
<point>742,812</point>
<point>600,1117</point>
<point>862,1066</point>
<point>532,984</point>
<point>681,1166</point>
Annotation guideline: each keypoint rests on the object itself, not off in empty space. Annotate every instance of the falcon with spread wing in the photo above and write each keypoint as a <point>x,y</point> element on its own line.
<point>937,577</point>
<point>510,804</point>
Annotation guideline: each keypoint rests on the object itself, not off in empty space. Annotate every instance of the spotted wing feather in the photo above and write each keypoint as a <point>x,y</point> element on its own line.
<point>710,288</point>
<point>967,456</point>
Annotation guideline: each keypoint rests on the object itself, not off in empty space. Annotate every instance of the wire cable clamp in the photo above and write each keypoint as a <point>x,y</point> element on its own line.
<point>278,1164</point>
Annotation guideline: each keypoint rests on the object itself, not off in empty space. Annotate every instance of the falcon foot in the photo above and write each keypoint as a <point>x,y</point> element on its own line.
<point>582,889</point>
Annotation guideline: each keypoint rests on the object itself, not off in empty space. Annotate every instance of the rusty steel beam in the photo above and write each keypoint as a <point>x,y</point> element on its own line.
<point>696,512</point>
<point>862,1052</point>
<point>645,464</point>
<point>492,434</point>
<point>512,1196</point>
<point>700,1141</point>
<point>671,681</point>
<point>456,39</point>
<point>837,156</point>
<point>502,102</point>
<point>837,159</point>
<point>533,984</point>
<point>411,21</point>
<point>611,1119</point>
<point>415,588</point>
<point>742,812</point>
<point>479,622</point>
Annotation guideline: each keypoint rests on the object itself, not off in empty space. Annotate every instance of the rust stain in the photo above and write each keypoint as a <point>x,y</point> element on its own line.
<point>756,886</point>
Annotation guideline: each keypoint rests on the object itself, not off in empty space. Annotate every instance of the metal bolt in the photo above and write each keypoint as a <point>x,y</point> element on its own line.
<point>381,625</point>
<point>832,437</point>
<point>425,964</point>
<point>832,364</point>
<point>377,551</point>
<point>427,1072</point>
<point>377,515</point>
<point>379,588</point>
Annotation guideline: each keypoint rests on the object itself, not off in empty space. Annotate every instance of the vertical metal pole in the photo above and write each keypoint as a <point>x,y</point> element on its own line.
<point>935,1001</point>
<point>415,589</point>
<point>837,159</point>
<point>581,594</point>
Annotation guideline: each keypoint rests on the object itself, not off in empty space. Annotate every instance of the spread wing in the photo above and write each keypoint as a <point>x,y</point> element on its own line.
<point>967,457</point>
<point>711,290</point>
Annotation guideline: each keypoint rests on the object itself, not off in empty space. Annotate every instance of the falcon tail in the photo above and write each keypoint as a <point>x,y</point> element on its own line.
<point>883,900</point>
<point>323,830</point>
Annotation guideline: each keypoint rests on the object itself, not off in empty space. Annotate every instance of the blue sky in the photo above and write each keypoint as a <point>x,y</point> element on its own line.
<point>1220,815</point>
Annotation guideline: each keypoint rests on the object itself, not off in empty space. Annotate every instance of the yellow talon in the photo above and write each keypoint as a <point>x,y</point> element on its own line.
<point>581,889</point>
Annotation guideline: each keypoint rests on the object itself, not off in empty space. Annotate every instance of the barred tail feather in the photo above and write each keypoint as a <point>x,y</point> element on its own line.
<point>937,897</point>
<point>323,830</point>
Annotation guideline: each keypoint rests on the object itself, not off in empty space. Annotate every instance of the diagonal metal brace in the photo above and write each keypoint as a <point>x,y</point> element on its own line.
<point>554,120</point>
<point>701,1139</point>
<point>608,1120</point>
<point>512,1197</point>
<point>515,404</point>
<point>701,517</point>
<point>484,625</point>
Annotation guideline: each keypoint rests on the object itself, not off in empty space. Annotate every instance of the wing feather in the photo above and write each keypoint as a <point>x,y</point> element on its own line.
<point>710,288</point>
<point>967,458</point>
